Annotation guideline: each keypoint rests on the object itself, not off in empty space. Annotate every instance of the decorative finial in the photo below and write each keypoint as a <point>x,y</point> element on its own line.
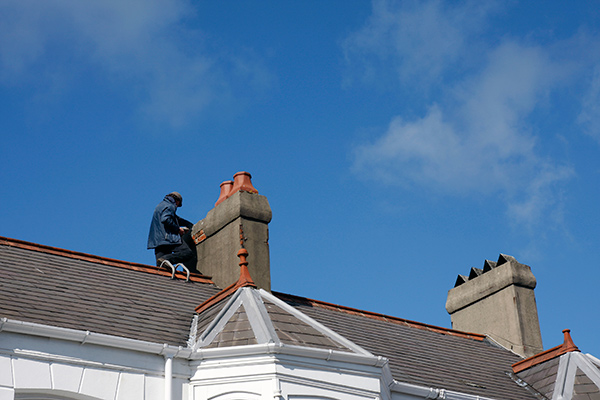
<point>245,278</point>
<point>568,342</point>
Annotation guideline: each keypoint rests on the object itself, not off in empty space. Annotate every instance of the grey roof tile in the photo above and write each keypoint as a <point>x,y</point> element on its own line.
<point>542,377</point>
<point>421,356</point>
<point>72,293</point>
<point>292,330</point>
<point>584,388</point>
<point>45,286</point>
<point>236,332</point>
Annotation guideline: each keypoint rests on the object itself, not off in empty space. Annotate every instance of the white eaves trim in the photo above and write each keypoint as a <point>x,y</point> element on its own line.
<point>433,393</point>
<point>83,337</point>
<point>279,348</point>
<point>74,335</point>
<point>79,336</point>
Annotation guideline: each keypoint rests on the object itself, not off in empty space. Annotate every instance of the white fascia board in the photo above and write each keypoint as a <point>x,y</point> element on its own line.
<point>567,371</point>
<point>273,348</point>
<point>259,319</point>
<point>593,359</point>
<point>587,364</point>
<point>433,393</point>
<point>74,335</point>
<point>80,336</point>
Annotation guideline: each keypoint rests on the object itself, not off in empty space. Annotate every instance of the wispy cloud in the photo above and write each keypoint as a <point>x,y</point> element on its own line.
<point>142,46</point>
<point>475,139</point>
<point>590,113</point>
<point>419,42</point>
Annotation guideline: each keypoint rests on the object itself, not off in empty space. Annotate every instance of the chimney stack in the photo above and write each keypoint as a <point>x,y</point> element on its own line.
<point>239,220</point>
<point>498,301</point>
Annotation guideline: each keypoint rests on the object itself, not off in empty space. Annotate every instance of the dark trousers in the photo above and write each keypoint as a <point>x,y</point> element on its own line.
<point>177,253</point>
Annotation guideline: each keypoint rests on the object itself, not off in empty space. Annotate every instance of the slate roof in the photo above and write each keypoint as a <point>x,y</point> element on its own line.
<point>542,377</point>
<point>62,288</point>
<point>584,388</point>
<point>253,316</point>
<point>56,287</point>
<point>561,372</point>
<point>422,354</point>
<point>553,376</point>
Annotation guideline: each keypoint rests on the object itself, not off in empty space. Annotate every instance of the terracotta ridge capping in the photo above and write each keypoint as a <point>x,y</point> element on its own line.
<point>381,317</point>
<point>547,355</point>
<point>214,299</point>
<point>244,280</point>
<point>21,244</point>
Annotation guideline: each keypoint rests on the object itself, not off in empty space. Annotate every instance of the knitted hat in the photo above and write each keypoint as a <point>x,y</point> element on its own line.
<point>176,196</point>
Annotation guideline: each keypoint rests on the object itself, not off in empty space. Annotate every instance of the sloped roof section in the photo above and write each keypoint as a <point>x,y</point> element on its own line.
<point>541,377</point>
<point>236,332</point>
<point>55,287</point>
<point>62,288</point>
<point>572,376</point>
<point>585,385</point>
<point>253,316</point>
<point>423,354</point>
<point>292,330</point>
<point>562,372</point>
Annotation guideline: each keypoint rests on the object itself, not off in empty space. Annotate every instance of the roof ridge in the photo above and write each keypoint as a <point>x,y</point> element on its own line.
<point>245,280</point>
<point>566,347</point>
<point>382,317</point>
<point>216,298</point>
<point>22,244</point>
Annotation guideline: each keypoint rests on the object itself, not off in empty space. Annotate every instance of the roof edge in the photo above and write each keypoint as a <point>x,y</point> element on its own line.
<point>21,244</point>
<point>245,280</point>
<point>381,317</point>
<point>290,350</point>
<point>547,355</point>
<point>87,337</point>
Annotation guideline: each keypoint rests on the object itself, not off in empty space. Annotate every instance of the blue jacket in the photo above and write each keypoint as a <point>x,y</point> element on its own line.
<point>164,228</point>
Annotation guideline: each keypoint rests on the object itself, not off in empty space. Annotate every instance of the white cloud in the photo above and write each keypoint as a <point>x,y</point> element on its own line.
<point>477,141</point>
<point>145,46</point>
<point>418,40</point>
<point>589,117</point>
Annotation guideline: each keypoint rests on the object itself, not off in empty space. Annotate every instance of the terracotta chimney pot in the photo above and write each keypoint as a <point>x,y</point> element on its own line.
<point>225,191</point>
<point>242,182</point>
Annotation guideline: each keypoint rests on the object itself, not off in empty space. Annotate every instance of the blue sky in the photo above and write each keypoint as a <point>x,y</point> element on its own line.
<point>399,143</point>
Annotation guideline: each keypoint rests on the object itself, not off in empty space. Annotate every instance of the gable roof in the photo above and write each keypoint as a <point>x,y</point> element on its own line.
<point>561,372</point>
<point>254,316</point>
<point>67,289</point>
<point>241,314</point>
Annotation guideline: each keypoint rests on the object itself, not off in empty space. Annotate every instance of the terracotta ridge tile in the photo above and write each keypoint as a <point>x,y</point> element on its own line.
<point>216,298</point>
<point>21,244</point>
<point>547,355</point>
<point>244,280</point>
<point>381,317</point>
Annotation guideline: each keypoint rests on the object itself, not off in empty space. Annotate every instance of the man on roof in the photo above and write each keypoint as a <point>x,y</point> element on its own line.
<point>169,234</point>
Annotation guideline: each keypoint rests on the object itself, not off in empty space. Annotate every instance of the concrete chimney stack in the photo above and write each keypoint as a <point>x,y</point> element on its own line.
<point>240,219</point>
<point>498,301</point>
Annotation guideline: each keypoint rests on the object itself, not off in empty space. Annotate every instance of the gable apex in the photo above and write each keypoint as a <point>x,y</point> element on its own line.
<point>254,316</point>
